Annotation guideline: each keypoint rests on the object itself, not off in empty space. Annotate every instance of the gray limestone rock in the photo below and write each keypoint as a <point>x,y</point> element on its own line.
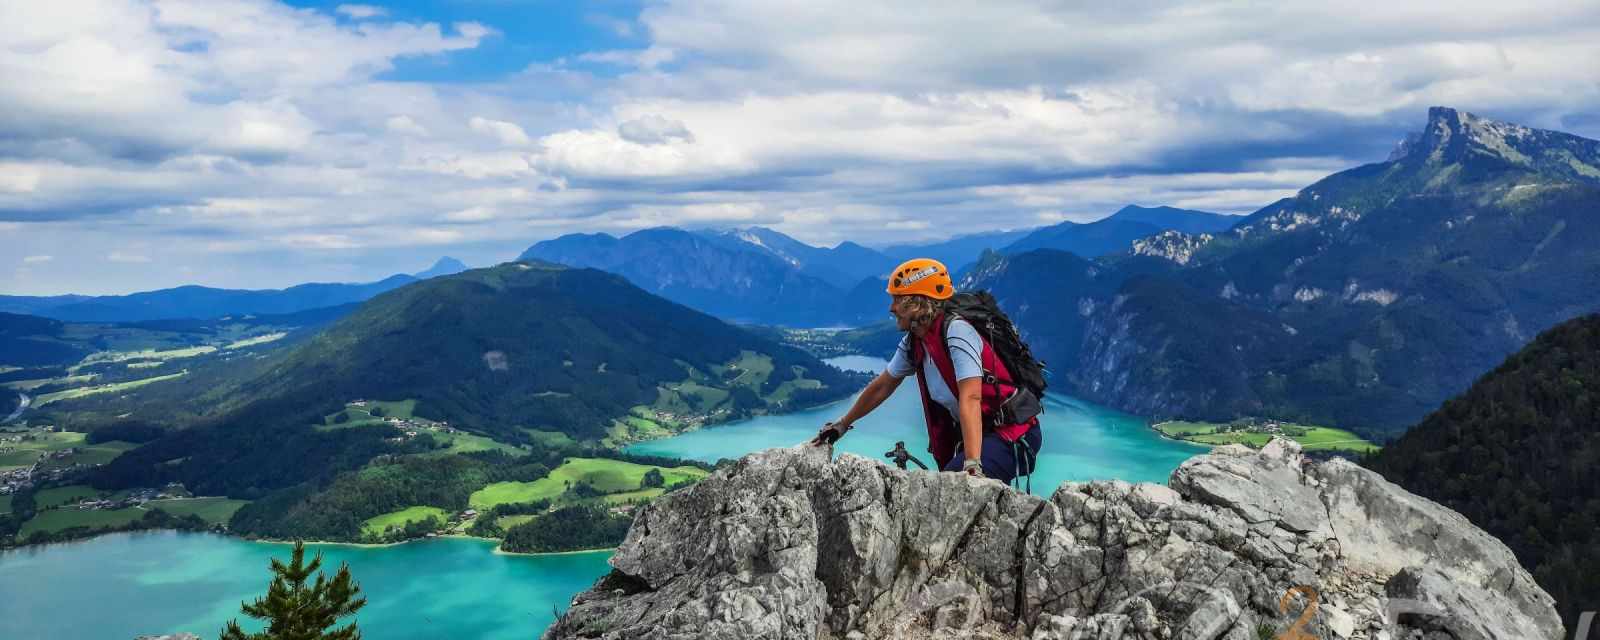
<point>788,543</point>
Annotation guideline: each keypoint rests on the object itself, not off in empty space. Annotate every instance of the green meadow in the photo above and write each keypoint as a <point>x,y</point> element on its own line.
<point>212,510</point>
<point>55,520</point>
<point>606,476</point>
<point>376,525</point>
<point>1311,438</point>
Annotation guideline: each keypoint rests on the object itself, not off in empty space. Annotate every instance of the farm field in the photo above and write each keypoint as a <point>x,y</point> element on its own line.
<point>51,498</point>
<point>376,525</point>
<point>57,519</point>
<point>753,369</point>
<point>27,452</point>
<point>606,476</point>
<point>467,443</point>
<point>1312,438</point>
<point>363,415</point>
<point>147,354</point>
<point>550,438</point>
<point>29,385</point>
<point>212,510</point>
<point>263,339</point>
<point>105,388</point>
<point>101,453</point>
<point>507,522</point>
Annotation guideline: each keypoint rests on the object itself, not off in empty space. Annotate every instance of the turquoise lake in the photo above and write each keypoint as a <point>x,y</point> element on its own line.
<point>120,586</point>
<point>124,585</point>
<point>1082,441</point>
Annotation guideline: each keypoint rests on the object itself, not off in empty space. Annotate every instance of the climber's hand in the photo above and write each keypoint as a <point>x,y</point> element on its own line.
<point>973,468</point>
<point>830,433</point>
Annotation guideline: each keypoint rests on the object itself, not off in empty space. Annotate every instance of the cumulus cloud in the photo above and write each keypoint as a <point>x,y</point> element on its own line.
<point>607,155</point>
<point>647,59</point>
<point>361,11</point>
<point>405,125</point>
<point>654,129</point>
<point>189,125</point>
<point>506,132</point>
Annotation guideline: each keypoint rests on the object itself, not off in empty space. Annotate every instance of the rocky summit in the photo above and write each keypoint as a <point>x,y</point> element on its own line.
<point>1241,544</point>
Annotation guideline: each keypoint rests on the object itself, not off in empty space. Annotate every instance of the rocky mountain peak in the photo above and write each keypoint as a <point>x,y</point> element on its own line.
<point>1176,246</point>
<point>1452,136</point>
<point>790,543</point>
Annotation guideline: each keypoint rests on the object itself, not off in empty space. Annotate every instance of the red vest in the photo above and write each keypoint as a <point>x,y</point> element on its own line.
<point>944,431</point>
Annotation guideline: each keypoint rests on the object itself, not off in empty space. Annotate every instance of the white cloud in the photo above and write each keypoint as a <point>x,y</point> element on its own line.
<point>646,59</point>
<point>654,129</point>
<point>190,125</point>
<point>361,11</point>
<point>473,30</point>
<point>506,132</point>
<point>405,125</point>
<point>605,155</point>
<point>19,178</point>
<point>318,241</point>
<point>129,258</point>
<point>37,259</point>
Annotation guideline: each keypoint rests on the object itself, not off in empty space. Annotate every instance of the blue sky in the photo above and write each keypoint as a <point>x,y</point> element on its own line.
<point>257,143</point>
<point>530,32</point>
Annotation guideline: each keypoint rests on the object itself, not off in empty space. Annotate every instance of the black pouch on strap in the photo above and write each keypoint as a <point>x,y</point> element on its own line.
<point>1019,408</point>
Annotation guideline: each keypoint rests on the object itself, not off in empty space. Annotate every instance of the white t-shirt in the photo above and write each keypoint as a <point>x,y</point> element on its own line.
<point>966,352</point>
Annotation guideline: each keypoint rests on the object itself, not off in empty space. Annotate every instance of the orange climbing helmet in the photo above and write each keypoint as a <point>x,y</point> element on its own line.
<point>921,276</point>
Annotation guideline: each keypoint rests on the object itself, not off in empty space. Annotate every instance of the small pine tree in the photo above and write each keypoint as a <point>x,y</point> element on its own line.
<point>295,611</point>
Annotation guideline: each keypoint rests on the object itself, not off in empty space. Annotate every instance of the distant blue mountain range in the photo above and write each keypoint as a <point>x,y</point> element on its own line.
<point>194,301</point>
<point>754,275</point>
<point>759,275</point>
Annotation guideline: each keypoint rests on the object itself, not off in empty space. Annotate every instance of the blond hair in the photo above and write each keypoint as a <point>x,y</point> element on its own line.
<point>920,310</point>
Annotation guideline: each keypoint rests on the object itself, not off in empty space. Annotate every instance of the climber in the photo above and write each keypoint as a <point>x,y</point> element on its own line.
<point>971,400</point>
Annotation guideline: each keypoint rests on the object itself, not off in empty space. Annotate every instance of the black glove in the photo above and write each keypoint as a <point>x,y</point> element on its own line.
<point>830,433</point>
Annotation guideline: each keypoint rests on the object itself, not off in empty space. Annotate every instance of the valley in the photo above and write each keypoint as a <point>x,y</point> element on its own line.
<point>538,405</point>
<point>582,320</point>
<point>360,448</point>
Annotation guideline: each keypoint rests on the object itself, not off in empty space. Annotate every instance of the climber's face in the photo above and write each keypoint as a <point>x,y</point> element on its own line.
<point>897,306</point>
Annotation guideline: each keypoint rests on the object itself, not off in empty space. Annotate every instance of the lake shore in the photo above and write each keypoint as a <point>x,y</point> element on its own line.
<point>1156,427</point>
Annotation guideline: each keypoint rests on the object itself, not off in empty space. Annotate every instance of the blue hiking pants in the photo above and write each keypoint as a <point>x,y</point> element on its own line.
<point>1002,460</point>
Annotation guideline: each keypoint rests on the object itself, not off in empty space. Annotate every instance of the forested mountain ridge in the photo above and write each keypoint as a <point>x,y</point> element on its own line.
<point>1517,455</point>
<point>1363,301</point>
<point>524,345</point>
<point>32,341</point>
<point>507,352</point>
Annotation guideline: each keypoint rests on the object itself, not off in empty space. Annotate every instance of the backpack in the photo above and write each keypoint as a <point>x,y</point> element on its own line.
<point>981,311</point>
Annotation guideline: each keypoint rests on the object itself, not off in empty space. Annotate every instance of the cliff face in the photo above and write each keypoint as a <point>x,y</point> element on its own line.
<point>788,544</point>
